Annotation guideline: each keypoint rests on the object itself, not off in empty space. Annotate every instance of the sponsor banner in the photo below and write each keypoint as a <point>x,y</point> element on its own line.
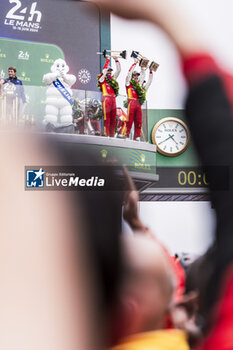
<point>32,60</point>
<point>63,91</point>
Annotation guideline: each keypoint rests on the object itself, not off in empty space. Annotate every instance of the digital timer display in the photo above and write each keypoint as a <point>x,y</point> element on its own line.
<point>192,178</point>
<point>187,177</point>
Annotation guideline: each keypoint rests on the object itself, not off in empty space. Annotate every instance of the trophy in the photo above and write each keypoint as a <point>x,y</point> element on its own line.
<point>143,61</point>
<point>154,66</point>
<point>116,53</point>
<point>134,54</point>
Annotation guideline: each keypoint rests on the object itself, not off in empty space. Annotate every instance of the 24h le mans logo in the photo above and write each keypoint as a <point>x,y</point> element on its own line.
<point>23,18</point>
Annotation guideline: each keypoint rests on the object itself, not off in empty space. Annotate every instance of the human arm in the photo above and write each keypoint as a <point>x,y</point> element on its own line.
<point>209,113</point>
<point>105,69</point>
<point>142,76</point>
<point>130,72</point>
<point>149,81</point>
<point>118,68</point>
<point>130,210</point>
<point>209,110</point>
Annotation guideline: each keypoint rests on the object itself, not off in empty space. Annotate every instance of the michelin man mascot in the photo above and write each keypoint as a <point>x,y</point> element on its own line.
<point>58,96</point>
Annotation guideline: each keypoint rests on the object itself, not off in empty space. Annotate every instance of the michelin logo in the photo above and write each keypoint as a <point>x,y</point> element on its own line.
<point>35,178</point>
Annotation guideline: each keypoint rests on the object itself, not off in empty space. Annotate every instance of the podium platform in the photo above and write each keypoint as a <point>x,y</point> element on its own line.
<point>138,157</point>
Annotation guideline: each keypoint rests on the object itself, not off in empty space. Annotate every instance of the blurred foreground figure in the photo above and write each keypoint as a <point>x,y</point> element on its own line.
<point>154,320</point>
<point>146,297</point>
<point>56,287</point>
<point>209,104</point>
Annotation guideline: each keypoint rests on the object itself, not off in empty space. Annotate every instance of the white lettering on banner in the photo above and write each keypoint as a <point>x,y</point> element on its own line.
<point>23,18</point>
<point>93,181</point>
<point>2,74</point>
<point>23,55</point>
<point>11,13</point>
<point>34,12</point>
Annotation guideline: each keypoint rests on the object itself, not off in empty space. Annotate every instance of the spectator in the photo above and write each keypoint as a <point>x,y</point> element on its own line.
<point>146,297</point>
<point>12,79</point>
<point>15,86</point>
<point>146,294</point>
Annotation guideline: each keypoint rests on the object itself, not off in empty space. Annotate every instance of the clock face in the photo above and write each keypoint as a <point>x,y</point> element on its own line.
<point>171,136</point>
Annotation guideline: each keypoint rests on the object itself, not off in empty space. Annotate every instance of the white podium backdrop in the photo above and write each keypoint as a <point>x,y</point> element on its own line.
<point>182,226</point>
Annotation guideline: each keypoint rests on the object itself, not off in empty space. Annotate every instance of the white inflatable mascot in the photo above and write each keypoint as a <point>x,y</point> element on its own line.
<point>59,94</point>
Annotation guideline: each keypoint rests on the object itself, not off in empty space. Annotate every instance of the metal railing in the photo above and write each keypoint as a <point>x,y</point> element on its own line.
<point>87,113</point>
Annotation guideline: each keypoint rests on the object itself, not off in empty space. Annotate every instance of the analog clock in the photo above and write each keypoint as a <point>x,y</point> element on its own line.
<point>171,136</point>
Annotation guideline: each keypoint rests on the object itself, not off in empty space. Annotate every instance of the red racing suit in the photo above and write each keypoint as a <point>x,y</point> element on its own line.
<point>122,122</point>
<point>96,126</point>
<point>109,100</point>
<point>134,111</point>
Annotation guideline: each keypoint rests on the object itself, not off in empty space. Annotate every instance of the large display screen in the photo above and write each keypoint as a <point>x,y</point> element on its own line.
<point>34,34</point>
